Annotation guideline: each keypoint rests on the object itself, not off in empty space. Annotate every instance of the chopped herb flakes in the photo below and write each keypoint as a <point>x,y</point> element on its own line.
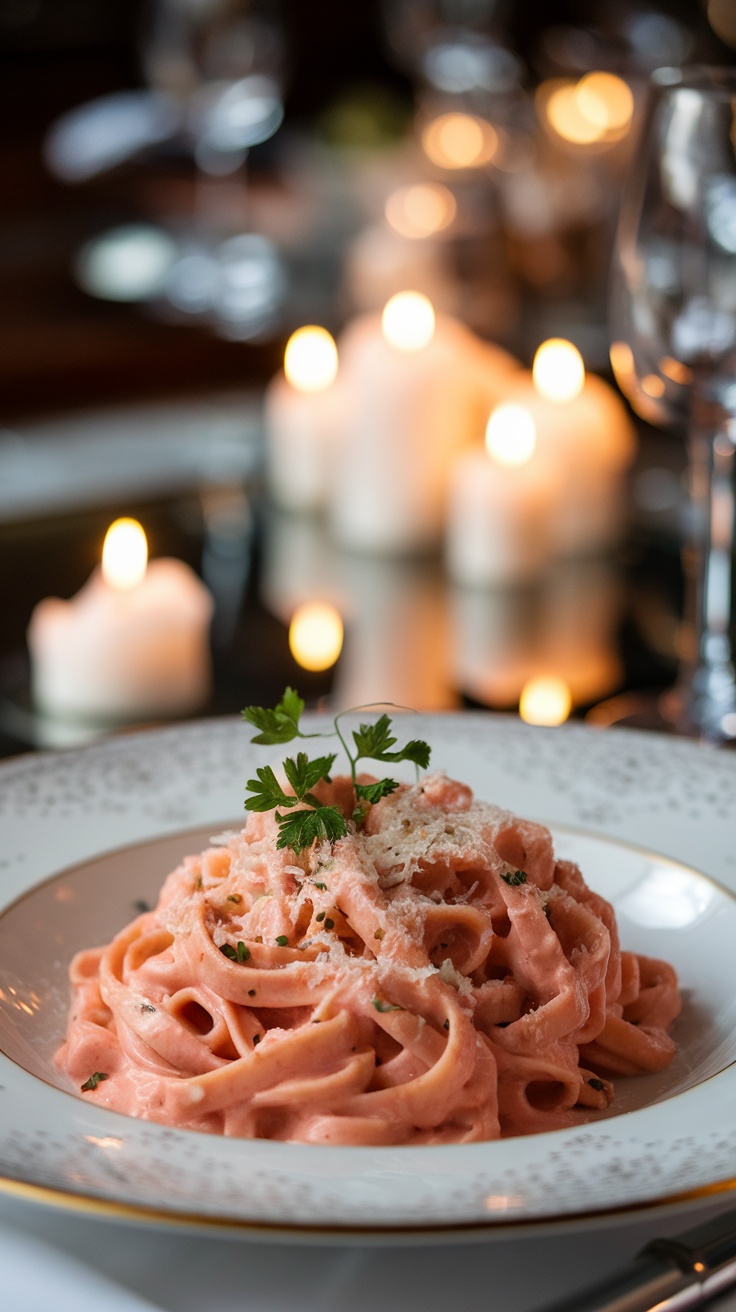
<point>379,933</point>
<point>239,954</point>
<point>234,897</point>
<point>146,1006</point>
<point>380,1005</point>
<point>320,916</point>
<point>91,1084</point>
<point>251,993</point>
<point>514,877</point>
<point>596,1084</point>
<point>329,924</point>
<point>322,887</point>
<point>282,941</point>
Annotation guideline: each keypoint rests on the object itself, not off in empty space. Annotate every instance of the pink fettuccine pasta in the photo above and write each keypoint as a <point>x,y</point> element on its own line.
<point>436,977</point>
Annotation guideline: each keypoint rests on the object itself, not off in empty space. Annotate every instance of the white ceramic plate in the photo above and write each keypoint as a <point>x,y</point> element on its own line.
<point>85,834</point>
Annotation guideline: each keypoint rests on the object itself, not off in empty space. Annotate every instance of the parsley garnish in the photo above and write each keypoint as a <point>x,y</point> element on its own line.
<point>380,1005</point>
<point>94,1080</point>
<point>313,822</point>
<point>282,941</point>
<point>514,878</point>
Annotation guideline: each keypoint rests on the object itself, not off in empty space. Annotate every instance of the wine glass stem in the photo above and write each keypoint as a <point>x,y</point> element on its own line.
<point>707,687</point>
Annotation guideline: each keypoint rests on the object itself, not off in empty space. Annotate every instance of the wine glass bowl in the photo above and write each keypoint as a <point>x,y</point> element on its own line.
<point>673,327</point>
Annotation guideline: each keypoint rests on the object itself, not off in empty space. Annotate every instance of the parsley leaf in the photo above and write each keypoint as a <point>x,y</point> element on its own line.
<point>380,1005</point>
<point>300,830</point>
<point>266,791</point>
<point>279,725</point>
<point>303,774</point>
<point>375,741</point>
<point>374,792</point>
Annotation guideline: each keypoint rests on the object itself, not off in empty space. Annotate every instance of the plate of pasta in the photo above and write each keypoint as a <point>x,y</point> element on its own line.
<point>496,992</point>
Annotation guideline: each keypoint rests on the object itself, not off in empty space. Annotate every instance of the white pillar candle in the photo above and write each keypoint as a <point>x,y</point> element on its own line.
<point>302,413</point>
<point>586,439</point>
<point>419,390</point>
<point>499,506</point>
<point>132,644</point>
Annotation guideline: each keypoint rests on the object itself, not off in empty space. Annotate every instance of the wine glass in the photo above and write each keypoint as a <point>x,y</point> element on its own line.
<point>673,321</point>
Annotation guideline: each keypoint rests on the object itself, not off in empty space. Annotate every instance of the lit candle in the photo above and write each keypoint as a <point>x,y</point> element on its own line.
<point>499,505</point>
<point>419,386</point>
<point>586,441</point>
<point>132,644</point>
<point>302,413</point>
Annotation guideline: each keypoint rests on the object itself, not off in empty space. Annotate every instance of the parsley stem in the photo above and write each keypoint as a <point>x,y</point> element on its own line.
<point>353,760</point>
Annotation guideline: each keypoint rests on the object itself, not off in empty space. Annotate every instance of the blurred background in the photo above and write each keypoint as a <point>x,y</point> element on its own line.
<point>185,184</point>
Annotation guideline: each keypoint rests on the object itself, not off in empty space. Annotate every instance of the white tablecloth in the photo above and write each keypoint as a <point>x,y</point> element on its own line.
<point>64,1262</point>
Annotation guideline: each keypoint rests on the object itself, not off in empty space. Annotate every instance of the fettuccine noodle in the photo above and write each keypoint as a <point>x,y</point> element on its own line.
<point>436,977</point>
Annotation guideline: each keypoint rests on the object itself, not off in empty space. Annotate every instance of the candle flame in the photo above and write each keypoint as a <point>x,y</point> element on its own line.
<point>545,699</point>
<point>124,555</point>
<point>558,370</point>
<point>408,321</point>
<point>460,141</point>
<point>420,210</point>
<point>316,635</point>
<point>310,359</point>
<point>511,435</point>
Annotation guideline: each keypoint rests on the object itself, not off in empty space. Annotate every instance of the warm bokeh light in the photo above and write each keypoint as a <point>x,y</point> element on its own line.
<point>622,363</point>
<point>652,385</point>
<point>420,210</point>
<point>675,370</point>
<point>567,119</point>
<point>606,100</point>
<point>511,435</point>
<point>124,555</point>
<point>315,635</point>
<point>459,141</point>
<point>558,370</point>
<point>545,699</point>
<point>596,111</point>
<point>408,321</point>
<point>310,359</point>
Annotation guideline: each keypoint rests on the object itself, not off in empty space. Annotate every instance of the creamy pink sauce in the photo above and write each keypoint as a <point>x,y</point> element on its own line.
<point>403,986</point>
